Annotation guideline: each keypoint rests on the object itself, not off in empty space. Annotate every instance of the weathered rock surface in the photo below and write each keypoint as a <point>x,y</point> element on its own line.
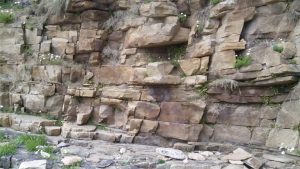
<point>36,164</point>
<point>71,160</point>
<point>172,153</point>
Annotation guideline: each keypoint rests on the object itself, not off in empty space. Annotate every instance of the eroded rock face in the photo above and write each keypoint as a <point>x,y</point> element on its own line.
<point>158,34</point>
<point>158,9</point>
<point>145,110</point>
<point>151,68</point>
<point>176,112</point>
<point>179,131</point>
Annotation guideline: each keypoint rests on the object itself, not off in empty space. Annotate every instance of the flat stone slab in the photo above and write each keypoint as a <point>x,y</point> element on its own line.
<point>172,153</point>
<point>36,164</point>
<point>282,159</point>
<point>105,163</point>
<point>238,155</point>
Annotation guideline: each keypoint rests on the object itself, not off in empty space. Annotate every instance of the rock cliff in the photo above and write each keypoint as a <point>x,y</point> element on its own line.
<point>159,71</point>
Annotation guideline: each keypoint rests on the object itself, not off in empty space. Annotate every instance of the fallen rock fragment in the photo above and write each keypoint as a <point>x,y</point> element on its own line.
<point>105,163</point>
<point>234,166</point>
<point>196,156</point>
<point>206,153</point>
<point>62,144</point>
<point>36,164</point>
<point>254,163</point>
<point>238,155</point>
<point>71,160</point>
<point>172,153</point>
<point>236,162</point>
<point>281,159</point>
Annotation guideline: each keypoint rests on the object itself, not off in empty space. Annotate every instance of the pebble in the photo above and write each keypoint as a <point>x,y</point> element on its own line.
<point>122,150</point>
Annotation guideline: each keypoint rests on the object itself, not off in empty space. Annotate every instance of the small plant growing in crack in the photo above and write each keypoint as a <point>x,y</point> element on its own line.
<point>242,61</point>
<point>175,53</point>
<point>278,46</point>
<point>182,17</point>
<point>202,90</point>
<point>226,84</point>
<point>266,100</point>
<point>215,2</point>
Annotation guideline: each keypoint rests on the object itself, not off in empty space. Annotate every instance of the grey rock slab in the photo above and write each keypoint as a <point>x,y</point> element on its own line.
<point>172,153</point>
<point>237,155</point>
<point>62,144</point>
<point>254,163</point>
<point>71,160</point>
<point>196,156</point>
<point>233,166</point>
<point>36,164</point>
<point>5,162</point>
<point>105,163</point>
<point>282,159</point>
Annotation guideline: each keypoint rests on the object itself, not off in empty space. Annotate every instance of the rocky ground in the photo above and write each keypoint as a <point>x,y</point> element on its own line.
<point>87,154</point>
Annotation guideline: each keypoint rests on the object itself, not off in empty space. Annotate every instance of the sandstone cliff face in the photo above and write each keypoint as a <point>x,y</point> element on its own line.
<point>164,71</point>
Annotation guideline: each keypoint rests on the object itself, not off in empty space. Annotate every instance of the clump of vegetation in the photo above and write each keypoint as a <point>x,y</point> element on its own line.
<point>292,61</point>
<point>31,142</point>
<point>54,7</point>
<point>199,28</point>
<point>275,90</point>
<point>73,166</point>
<point>6,16</point>
<point>215,2</point>
<point>297,128</point>
<point>147,1</point>
<point>175,53</point>
<point>202,90</point>
<point>278,48</point>
<point>182,17</point>
<point>48,149</point>
<point>31,24</point>
<point>266,100</point>
<point>226,84</point>
<point>160,161</point>
<point>5,109</point>
<point>119,17</point>
<point>9,11</point>
<point>102,126</point>
<point>8,149</point>
<point>27,50</point>
<point>242,61</point>
<point>50,59</point>
<point>3,137</point>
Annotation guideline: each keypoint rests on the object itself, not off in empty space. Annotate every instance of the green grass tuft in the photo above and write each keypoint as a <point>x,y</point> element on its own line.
<point>242,62</point>
<point>182,18</point>
<point>74,166</point>
<point>176,53</point>
<point>49,150</point>
<point>6,17</point>
<point>8,149</point>
<point>202,91</point>
<point>278,48</point>
<point>31,142</point>
<point>160,161</point>
<point>292,61</point>
<point>215,2</point>
<point>3,137</point>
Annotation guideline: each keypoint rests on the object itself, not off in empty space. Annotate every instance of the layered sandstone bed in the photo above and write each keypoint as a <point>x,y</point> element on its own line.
<point>161,71</point>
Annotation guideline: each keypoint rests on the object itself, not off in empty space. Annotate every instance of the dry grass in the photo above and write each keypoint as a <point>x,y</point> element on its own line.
<point>226,84</point>
<point>119,17</point>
